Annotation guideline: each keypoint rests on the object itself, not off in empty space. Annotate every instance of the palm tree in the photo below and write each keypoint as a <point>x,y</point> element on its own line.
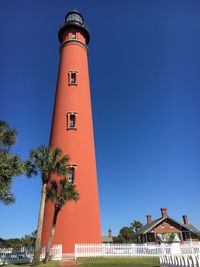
<point>59,192</point>
<point>10,164</point>
<point>46,161</point>
<point>29,240</point>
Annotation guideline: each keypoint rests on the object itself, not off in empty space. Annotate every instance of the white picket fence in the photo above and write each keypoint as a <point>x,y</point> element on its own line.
<point>25,255</point>
<point>182,254</point>
<point>180,261</point>
<point>134,250</point>
<point>191,248</point>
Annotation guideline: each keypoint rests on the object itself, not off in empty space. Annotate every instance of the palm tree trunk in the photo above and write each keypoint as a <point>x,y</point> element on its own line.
<point>36,259</point>
<point>53,228</point>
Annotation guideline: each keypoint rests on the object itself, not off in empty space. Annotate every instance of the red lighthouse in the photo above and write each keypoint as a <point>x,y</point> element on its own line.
<point>72,131</point>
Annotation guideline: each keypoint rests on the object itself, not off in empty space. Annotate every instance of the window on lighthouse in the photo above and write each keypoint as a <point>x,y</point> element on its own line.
<point>72,78</point>
<point>71,120</point>
<point>73,35</point>
<point>71,174</point>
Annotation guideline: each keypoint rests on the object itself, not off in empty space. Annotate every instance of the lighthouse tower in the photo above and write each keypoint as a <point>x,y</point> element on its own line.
<point>72,131</point>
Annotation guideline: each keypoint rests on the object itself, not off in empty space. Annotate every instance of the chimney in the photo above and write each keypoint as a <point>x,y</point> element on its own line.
<point>149,218</point>
<point>163,212</point>
<point>185,219</point>
<point>109,233</point>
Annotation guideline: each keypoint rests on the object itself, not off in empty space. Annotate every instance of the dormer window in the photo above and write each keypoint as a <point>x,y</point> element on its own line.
<point>71,120</point>
<point>72,77</point>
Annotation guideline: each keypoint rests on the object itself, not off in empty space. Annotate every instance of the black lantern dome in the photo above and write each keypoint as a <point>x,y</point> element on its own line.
<point>74,19</point>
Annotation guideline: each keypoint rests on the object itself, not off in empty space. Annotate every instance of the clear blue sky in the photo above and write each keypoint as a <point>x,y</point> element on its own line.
<point>144,59</point>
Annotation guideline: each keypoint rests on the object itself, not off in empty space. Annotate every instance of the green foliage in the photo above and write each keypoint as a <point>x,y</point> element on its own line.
<point>136,226</point>
<point>60,192</point>
<point>126,233</point>
<point>26,241</point>
<point>7,136</point>
<point>29,240</point>
<point>46,161</point>
<point>11,243</point>
<point>10,165</point>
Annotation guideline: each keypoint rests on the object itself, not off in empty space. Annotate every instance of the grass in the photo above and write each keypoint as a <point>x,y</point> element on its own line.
<point>119,262</point>
<point>103,262</point>
<point>49,264</point>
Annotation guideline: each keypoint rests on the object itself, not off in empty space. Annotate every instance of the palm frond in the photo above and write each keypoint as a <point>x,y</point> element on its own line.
<point>30,168</point>
<point>47,161</point>
<point>61,192</point>
<point>7,136</point>
<point>7,197</point>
